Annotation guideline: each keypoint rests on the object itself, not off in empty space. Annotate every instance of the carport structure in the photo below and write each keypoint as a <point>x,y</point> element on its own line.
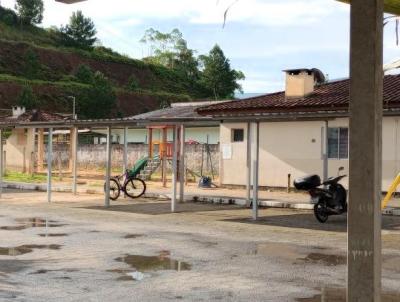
<point>364,217</point>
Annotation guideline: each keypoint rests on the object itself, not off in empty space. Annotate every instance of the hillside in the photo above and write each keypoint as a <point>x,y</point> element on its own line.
<point>57,66</point>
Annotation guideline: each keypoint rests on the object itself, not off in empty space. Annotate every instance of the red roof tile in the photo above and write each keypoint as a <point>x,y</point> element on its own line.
<point>36,116</point>
<point>326,97</point>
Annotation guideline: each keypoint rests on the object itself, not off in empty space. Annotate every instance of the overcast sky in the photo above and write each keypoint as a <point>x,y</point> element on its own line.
<point>261,37</point>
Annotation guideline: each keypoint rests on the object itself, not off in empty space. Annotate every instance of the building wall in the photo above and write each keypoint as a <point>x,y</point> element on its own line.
<point>198,134</point>
<point>92,157</point>
<point>296,148</point>
<point>19,150</point>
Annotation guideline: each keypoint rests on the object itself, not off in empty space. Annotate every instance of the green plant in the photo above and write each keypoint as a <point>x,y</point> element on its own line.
<point>32,65</point>
<point>218,76</point>
<point>8,16</point>
<point>27,98</point>
<point>30,11</point>
<point>80,32</point>
<point>84,74</point>
<point>133,83</point>
<point>99,100</point>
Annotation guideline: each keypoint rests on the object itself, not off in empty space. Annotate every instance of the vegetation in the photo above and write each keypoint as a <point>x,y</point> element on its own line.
<point>31,64</point>
<point>27,98</point>
<point>99,100</point>
<point>80,32</point>
<point>38,59</point>
<point>23,177</point>
<point>84,74</point>
<point>133,83</point>
<point>30,11</point>
<point>218,76</point>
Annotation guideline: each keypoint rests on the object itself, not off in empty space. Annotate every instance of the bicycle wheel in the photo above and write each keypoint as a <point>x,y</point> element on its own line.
<point>135,187</point>
<point>115,189</point>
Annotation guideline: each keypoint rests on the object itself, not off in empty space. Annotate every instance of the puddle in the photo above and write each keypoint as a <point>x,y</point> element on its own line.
<point>53,235</point>
<point>326,259</point>
<point>154,263</point>
<point>131,236</point>
<point>32,222</point>
<point>296,253</point>
<point>25,249</point>
<point>339,295</point>
<point>143,264</point>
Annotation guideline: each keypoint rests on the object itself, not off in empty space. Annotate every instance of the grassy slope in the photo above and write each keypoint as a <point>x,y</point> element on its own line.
<point>158,85</point>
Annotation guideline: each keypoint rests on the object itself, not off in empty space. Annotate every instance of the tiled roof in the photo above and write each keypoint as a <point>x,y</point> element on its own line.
<point>331,96</point>
<point>35,116</point>
<point>177,110</point>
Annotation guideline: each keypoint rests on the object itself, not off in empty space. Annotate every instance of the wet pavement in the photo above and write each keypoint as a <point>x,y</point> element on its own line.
<point>218,254</point>
<point>339,295</point>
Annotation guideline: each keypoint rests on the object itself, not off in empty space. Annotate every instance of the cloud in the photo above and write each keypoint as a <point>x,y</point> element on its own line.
<point>260,12</point>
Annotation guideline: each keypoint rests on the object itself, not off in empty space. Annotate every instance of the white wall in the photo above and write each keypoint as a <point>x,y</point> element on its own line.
<point>296,148</point>
<point>198,134</point>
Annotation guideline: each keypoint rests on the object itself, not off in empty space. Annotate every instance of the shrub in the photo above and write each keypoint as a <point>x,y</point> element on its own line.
<point>32,65</point>
<point>84,74</point>
<point>133,83</point>
<point>27,98</point>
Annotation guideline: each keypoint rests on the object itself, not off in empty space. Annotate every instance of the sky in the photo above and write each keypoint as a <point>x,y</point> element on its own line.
<point>261,37</point>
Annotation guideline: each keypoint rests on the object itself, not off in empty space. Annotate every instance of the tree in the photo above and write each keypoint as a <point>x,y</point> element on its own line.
<point>27,98</point>
<point>32,64</point>
<point>84,74</point>
<point>30,11</point>
<point>80,32</point>
<point>100,99</point>
<point>218,76</point>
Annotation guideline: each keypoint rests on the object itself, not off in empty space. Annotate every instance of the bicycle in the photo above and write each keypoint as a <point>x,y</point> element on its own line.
<point>132,186</point>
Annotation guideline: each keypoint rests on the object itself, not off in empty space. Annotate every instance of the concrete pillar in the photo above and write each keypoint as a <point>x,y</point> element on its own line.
<point>74,143</point>
<point>256,155</point>
<point>40,149</point>
<point>150,142</point>
<point>164,157</point>
<point>364,216</point>
<point>71,149</point>
<point>108,169</point>
<point>1,162</point>
<point>248,165</point>
<point>182,164</point>
<point>125,159</point>
<point>49,162</point>
<point>325,158</point>
<point>174,168</point>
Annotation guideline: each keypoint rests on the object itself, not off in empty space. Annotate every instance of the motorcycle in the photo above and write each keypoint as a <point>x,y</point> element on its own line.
<point>329,197</point>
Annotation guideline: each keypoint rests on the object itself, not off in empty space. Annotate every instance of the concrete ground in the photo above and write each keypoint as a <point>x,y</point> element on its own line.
<point>138,251</point>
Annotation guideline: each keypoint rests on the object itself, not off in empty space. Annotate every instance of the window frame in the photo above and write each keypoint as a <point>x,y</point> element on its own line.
<point>339,143</point>
<point>233,135</point>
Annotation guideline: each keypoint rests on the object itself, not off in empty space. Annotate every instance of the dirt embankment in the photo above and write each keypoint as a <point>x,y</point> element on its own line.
<point>57,64</point>
<point>158,86</point>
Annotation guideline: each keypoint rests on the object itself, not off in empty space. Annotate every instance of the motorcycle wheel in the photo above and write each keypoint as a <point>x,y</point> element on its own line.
<point>320,213</point>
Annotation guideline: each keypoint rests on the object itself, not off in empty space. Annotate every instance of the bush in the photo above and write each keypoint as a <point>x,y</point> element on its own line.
<point>32,65</point>
<point>133,83</point>
<point>27,98</point>
<point>99,101</point>
<point>84,74</point>
<point>8,17</point>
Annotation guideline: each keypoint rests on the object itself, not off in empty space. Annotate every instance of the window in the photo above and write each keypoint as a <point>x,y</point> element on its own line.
<point>237,135</point>
<point>338,143</point>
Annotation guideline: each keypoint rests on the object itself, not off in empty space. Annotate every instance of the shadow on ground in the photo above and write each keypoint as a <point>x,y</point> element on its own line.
<point>306,220</point>
<point>164,207</point>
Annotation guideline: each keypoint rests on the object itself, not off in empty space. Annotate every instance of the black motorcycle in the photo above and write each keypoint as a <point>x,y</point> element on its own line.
<point>329,197</point>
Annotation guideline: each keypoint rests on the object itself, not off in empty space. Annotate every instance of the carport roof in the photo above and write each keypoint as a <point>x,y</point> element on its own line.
<point>177,111</point>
